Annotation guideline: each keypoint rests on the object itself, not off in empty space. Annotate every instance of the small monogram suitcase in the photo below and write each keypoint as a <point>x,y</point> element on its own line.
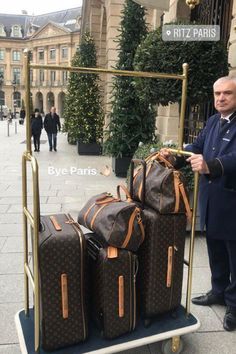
<point>113,287</point>
<point>62,289</point>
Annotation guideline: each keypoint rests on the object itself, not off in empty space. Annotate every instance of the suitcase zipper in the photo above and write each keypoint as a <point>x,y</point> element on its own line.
<point>133,273</point>
<point>77,228</point>
<point>173,266</point>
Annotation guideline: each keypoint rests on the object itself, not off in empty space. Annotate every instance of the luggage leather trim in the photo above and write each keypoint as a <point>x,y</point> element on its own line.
<point>64,296</point>
<point>55,223</point>
<point>96,214</point>
<point>135,213</point>
<point>112,252</point>
<point>121,295</point>
<point>169,267</point>
<point>177,194</point>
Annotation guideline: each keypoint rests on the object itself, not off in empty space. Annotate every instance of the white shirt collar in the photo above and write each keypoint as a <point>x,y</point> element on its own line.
<point>226,117</point>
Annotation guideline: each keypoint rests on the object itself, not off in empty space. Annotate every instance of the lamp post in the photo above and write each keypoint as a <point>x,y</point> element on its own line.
<point>1,83</point>
<point>14,91</point>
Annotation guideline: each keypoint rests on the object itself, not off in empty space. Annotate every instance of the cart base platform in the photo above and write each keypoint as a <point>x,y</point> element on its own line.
<point>166,326</point>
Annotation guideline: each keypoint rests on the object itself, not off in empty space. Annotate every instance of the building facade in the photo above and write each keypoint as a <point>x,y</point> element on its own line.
<point>53,39</point>
<point>102,18</point>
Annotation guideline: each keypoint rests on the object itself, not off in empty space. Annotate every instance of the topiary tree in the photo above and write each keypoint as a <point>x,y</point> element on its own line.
<point>207,62</point>
<point>131,120</point>
<point>84,116</point>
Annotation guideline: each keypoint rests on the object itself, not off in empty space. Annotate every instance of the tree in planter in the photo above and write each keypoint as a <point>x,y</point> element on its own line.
<point>207,62</point>
<point>83,113</point>
<point>131,120</point>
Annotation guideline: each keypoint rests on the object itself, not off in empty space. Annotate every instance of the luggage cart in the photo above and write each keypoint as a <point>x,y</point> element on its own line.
<point>168,327</point>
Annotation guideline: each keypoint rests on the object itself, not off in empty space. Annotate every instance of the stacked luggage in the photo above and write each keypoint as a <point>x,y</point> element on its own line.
<point>140,238</point>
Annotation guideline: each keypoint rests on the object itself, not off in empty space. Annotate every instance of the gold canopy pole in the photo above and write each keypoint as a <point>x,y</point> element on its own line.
<point>183,106</point>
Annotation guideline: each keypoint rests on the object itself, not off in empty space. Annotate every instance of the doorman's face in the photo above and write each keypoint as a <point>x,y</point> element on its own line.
<point>225,97</point>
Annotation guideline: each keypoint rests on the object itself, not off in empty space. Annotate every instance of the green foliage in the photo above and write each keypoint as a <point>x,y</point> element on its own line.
<point>144,150</point>
<point>207,62</point>
<point>83,113</point>
<point>131,120</point>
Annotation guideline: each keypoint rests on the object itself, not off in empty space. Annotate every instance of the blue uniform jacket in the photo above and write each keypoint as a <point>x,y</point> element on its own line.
<point>217,196</point>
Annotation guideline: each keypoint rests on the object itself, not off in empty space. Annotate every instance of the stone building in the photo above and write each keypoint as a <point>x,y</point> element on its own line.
<point>53,39</point>
<point>102,18</point>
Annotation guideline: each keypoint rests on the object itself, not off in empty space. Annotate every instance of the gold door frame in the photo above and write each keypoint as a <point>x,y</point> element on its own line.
<point>33,220</point>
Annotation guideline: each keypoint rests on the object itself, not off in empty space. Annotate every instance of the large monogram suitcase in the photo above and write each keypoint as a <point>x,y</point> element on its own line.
<point>113,287</point>
<point>161,258</point>
<point>62,255</point>
<point>161,262</point>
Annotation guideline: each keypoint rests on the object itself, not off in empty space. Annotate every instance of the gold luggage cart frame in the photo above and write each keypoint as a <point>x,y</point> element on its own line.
<point>34,219</point>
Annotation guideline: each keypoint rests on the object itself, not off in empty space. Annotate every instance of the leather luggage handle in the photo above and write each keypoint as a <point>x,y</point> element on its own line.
<point>157,156</point>
<point>169,267</point>
<point>125,190</point>
<point>55,223</point>
<point>64,296</point>
<point>144,164</point>
<point>121,295</point>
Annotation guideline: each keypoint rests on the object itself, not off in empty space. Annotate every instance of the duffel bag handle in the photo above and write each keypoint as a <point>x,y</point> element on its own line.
<point>157,156</point>
<point>125,190</point>
<point>144,164</point>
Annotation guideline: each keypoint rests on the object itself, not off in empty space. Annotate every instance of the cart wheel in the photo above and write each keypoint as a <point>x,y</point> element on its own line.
<point>166,347</point>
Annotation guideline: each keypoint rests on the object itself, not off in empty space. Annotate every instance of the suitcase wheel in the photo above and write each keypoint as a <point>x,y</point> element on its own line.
<point>168,347</point>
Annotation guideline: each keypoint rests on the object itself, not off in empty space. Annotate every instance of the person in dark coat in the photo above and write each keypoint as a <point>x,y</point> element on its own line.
<point>215,159</point>
<point>22,116</point>
<point>52,125</point>
<point>36,128</point>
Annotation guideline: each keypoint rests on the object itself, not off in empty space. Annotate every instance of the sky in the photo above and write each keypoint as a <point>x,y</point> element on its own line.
<point>36,7</point>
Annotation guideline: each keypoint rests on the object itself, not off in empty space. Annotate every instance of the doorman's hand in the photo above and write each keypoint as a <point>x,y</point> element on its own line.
<point>198,164</point>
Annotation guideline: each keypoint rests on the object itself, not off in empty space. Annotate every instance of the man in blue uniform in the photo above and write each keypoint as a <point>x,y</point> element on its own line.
<point>215,159</point>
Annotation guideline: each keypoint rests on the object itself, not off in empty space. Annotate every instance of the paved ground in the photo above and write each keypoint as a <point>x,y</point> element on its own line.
<point>67,192</point>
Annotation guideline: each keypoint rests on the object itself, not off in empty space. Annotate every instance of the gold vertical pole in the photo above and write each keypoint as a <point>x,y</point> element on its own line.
<point>35,247</point>
<point>25,234</point>
<point>183,106</point>
<point>27,99</point>
<point>191,247</point>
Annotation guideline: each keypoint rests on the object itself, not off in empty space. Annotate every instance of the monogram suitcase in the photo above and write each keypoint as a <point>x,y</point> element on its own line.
<point>62,261</point>
<point>161,257</point>
<point>113,287</point>
<point>161,262</point>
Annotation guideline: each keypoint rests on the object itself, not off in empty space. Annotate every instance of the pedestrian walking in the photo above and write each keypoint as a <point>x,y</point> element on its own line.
<point>52,125</point>
<point>215,159</point>
<point>36,128</point>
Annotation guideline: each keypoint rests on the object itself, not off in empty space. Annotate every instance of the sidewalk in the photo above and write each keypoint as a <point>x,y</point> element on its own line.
<point>65,184</point>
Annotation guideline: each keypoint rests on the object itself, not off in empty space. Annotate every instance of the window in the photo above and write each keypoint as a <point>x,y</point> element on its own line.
<point>2,32</point>
<point>41,75</point>
<point>2,52</point>
<point>2,99</point>
<point>52,54</point>
<point>16,31</point>
<point>16,55</point>
<point>64,77</point>
<point>64,53</point>
<point>2,73</point>
<point>31,76</point>
<point>16,75</point>
<point>16,99</point>
<point>41,54</point>
<point>53,76</point>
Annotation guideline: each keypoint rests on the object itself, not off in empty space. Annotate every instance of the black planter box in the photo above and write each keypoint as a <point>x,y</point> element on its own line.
<point>120,165</point>
<point>89,149</point>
